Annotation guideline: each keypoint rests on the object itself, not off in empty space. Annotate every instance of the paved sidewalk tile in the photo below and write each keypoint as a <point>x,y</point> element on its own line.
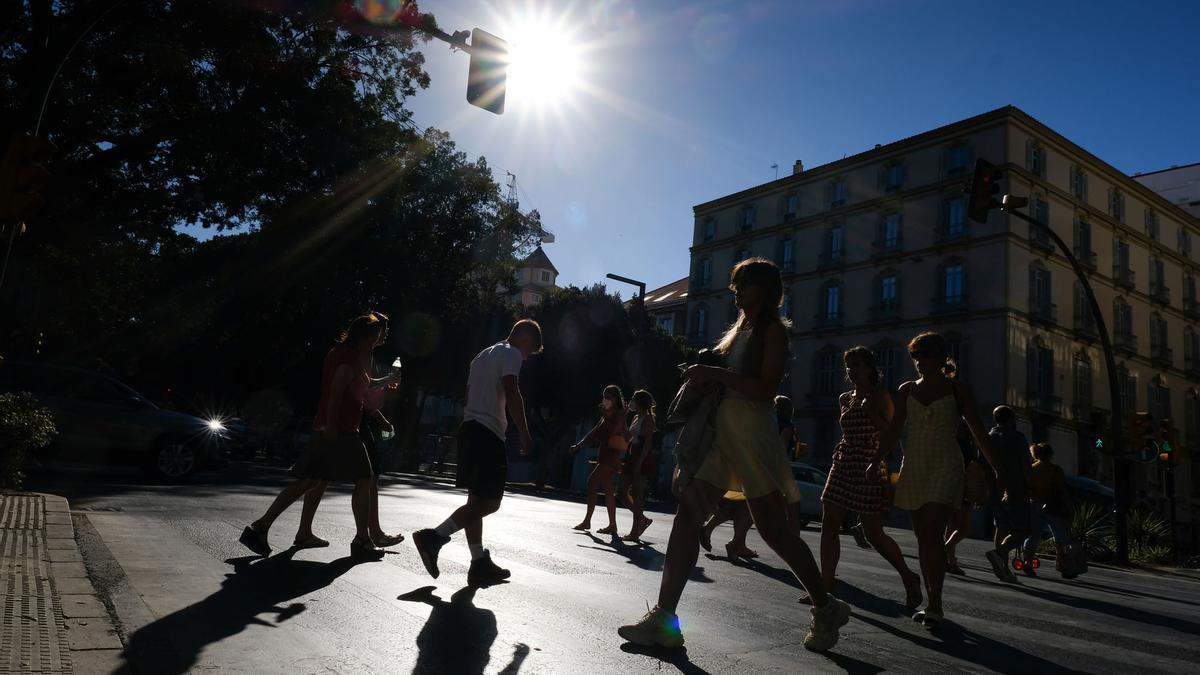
<point>80,606</point>
<point>74,586</point>
<point>91,634</point>
<point>64,555</point>
<point>97,661</point>
<point>61,570</point>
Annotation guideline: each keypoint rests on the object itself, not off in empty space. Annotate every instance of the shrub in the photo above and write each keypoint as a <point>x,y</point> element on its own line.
<point>24,425</point>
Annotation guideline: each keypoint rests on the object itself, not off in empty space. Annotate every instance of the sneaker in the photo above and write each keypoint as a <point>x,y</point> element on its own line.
<point>860,537</point>
<point>658,628</point>
<point>823,631</point>
<point>256,541</point>
<point>428,543</point>
<point>1000,567</point>
<point>484,572</point>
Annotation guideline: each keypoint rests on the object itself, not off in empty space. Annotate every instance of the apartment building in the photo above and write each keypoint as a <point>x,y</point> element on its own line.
<point>877,247</point>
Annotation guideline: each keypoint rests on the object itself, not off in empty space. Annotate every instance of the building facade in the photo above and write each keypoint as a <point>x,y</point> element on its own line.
<point>667,307</point>
<point>877,247</point>
<point>536,276</point>
<point>1179,185</point>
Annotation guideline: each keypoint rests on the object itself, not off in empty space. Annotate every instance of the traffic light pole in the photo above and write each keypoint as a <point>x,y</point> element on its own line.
<point>1121,462</point>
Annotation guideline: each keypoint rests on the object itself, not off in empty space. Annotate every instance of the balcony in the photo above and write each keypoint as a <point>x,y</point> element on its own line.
<point>1162,357</point>
<point>1191,367</point>
<point>885,311</point>
<point>886,249</point>
<point>1125,343</point>
<point>829,321</point>
<point>699,285</point>
<point>1085,327</point>
<point>1048,404</point>
<point>831,259</point>
<point>1081,409</point>
<point>1123,277</point>
<point>1191,309</point>
<point>949,305</point>
<point>1159,293</point>
<point>1046,312</point>
<point>1086,258</point>
<point>948,234</point>
<point>1040,240</point>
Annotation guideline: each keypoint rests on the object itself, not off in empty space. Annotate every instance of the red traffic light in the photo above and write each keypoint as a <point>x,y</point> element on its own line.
<point>984,187</point>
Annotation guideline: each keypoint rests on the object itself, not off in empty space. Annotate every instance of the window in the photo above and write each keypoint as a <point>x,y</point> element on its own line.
<point>953,282</point>
<point>700,323</point>
<point>1041,211</point>
<point>1185,243</point>
<point>545,276</point>
<point>885,362</point>
<point>1189,291</point>
<point>740,255</point>
<point>1083,238</point>
<point>889,231</point>
<point>1157,272</point>
<point>535,298</point>
<point>1035,158</point>
<point>889,297</point>
<point>704,272</point>
<point>1039,288</point>
<point>791,206</point>
<point>748,218</point>
<point>1079,183</point>
<point>1152,224</point>
<point>1191,417</point>
<point>1128,382</point>
<point>838,192</point>
<point>959,349</point>
<point>956,216</point>
<point>835,243</point>
<point>831,302</point>
<point>710,229</point>
<point>958,158</point>
<point>785,255</point>
<point>1116,204</point>
<point>1122,317</point>
<point>1039,374</point>
<point>893,178</point>
<point>1158,398</point>
<point>1081,369</point>
<point>828,371</point>
<point>1191,347</point>
<point>1158,333</point>
<point>666,323</point>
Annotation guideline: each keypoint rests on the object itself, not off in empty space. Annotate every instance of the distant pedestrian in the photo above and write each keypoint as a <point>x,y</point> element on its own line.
<point>744,457</point>
<point>336,453</point>
<point>1051,506</point>
<point>866,411</point>
<point>611,434</point>
<point>930,483</point>
<point>1010,501</point>
<point>640,462</point>
<point>493,395</point>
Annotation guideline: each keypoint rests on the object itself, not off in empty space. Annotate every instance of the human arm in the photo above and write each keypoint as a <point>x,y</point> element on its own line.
<point>337,389</point>
<point>891,434</point>
<point>516,410</point>
<point>761,387</point>
<point>384,423</point>
<point>881,408</point>
<point>970,415</point>
<point>591,437</point>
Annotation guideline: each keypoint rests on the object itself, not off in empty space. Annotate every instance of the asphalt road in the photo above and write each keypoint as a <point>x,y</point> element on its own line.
<point>188,596</point>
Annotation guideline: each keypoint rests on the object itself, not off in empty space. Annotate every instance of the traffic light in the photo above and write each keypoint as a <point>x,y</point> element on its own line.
<point>1142,434</point>
<point>985,185</point>
<point>1168,442</point>
<point>22,176</point>
<point>487,77</point>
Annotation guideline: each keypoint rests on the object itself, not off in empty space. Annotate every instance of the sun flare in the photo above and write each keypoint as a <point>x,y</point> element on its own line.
<point>545,63</point>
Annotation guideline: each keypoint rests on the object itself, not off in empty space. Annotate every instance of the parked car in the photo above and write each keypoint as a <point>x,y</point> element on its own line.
<point>242,440</point>
<point>100,419</point>
<point>811,481</point>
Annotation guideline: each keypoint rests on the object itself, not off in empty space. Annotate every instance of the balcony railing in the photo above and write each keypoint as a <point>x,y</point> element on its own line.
<point>1162,357</point>
<point>948,304</point>
<point>886,311</point>
<point>1081,409</point>
<point>1123,277</point>
<point>1046,312</point>
<point>1044,403</point>
<point>1085,327</point>
<point>884,249</point>
<point>830,259</point>
<point>829,320</point>
<point>1191,308</point>
<point>945,234</point>
<point>1125,342</point>
<point>1159,293</point>
<point>1086,258</point>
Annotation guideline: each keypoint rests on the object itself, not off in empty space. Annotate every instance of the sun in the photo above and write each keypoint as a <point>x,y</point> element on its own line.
<point>544,62</point>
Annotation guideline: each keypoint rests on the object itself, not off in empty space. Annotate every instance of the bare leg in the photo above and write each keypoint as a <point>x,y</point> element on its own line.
<point>683,547</point>
<point>286,498</point>
<point>770,516</point>
<point>360,504</point>
<point>831,542</point>
<point>884,544</point>
<point>929,524</point>
<point>312,499</point>
<point>610,497</point>
<point>793,514</point>
<point>956,531</point>
<point>592,484</point>
<point>741,525</point>
<point>470,517</point>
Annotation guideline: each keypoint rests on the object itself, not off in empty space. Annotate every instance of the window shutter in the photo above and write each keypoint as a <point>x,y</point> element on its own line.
<point>1029,155</point>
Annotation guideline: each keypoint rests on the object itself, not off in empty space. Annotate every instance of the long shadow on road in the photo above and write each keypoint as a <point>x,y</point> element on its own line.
<point>458,636</point>
<point>640,554</point>
<point>677,657</point>
<point>174,643</point>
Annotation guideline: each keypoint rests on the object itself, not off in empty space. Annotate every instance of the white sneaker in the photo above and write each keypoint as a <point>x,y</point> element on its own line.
<point>658,628</point>
<point>823,631</point>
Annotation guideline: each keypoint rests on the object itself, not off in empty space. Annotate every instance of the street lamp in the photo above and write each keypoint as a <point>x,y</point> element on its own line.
<point>639,301</point>
<point>982,189</point>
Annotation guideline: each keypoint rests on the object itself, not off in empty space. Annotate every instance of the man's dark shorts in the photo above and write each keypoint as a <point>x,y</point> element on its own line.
<point>1012,515</point>
<point>482,461</point>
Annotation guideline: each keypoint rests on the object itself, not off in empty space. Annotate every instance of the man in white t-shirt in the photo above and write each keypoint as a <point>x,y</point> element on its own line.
<point>482,459</point>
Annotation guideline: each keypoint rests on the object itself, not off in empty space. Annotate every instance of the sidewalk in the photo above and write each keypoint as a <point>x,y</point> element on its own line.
<point>52,621</point>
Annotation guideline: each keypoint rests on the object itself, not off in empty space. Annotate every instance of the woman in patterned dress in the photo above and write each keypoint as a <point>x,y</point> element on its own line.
<point>865,413</point>
<point>930,484</point>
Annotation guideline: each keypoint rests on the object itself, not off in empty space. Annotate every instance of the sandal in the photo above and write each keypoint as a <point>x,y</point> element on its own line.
<point>743,553</point>
<point>256,541</point>
<point>953,568</point>
<point>583,527</point>
<point>363,549</point>
<point>311,541</point>
<point>641,528</point>
<point>387,540</point>
<point>611,529</point>
<point>706,538</point>
<point>932,620</point>
<point>912,593</point>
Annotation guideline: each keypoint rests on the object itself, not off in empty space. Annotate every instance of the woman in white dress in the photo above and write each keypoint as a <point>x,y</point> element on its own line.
<point>745,457</point>
<point>930,484</point>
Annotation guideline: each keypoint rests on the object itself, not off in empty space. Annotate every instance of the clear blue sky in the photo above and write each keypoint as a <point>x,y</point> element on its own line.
<point>686,102</point>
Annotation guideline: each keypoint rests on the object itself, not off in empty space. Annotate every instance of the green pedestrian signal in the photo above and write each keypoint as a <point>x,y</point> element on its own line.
<point>1099,443</point>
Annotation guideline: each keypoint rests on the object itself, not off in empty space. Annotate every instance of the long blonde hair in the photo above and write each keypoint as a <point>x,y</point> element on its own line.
<point>765,275</point>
